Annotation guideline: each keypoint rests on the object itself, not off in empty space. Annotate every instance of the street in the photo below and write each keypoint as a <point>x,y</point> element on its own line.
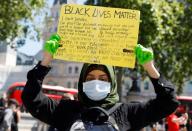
<point>27,123</point>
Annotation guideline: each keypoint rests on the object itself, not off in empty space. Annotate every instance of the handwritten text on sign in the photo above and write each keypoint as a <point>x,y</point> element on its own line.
<point>98,35</point>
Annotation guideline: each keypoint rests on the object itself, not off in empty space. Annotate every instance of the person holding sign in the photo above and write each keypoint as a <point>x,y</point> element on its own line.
<point>97,108</point>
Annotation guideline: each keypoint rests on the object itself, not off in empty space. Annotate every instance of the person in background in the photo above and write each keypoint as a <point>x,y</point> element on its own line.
<point>3,101</point>
<point>16,119</point>
<point>97,87</point>
<point>9,115</point>
<point>174,122</point>
<point>158,126</point>
<point>68,96</point>
<point>182,111</point>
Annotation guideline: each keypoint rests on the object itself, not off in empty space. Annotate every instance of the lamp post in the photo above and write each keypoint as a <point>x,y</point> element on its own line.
<point>136,82</point>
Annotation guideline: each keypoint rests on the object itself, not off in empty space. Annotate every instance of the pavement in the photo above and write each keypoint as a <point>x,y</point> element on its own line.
<point>27,123</point>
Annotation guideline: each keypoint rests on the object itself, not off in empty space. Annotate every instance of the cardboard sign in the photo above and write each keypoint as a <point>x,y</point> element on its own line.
<point>99,35</point>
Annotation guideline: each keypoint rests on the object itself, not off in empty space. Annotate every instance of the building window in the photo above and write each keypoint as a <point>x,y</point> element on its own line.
<point>54,72</point>
<point>76,70</point>
<point>52,83</point>
<point>75,85</point>
<point>68,84</point>
<point>70,70</point>
<point>146,85</point>
<point>19,61</point>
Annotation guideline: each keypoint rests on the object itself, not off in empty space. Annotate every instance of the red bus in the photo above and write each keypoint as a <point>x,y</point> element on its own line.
<point>186,103</point>
<point>55,92</point>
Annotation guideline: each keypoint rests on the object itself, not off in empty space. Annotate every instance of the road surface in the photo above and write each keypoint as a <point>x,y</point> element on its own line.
<point>27,123</point>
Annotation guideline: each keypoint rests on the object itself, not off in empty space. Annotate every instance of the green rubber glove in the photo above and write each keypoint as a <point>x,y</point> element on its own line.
<point>52,44</point>
<point>143,54</point>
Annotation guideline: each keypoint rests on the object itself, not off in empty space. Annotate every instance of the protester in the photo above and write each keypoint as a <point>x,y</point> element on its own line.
<point>9,115</point>
<point>97,93</point>
<point>182,111</point>
<point>16,119</point>
<point>174,122</point>
<point>68,96</point>
<point>158,126</point>
<point>3,101</point>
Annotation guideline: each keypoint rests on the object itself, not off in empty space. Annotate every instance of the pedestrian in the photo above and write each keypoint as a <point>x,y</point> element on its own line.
<point>3,101</point>
<point>8,118</point>
<point>97,106</point>
<point>16,119</point>
<point>68,96</point>
<point>174,122</point>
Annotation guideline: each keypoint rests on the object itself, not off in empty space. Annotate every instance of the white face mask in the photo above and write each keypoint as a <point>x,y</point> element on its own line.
<point>96,90</point>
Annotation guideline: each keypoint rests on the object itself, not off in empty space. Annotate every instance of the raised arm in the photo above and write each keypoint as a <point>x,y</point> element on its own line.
<point>39,105</point>
<point>145,58</point>
<point>50,49</point>
<point>165,102</point>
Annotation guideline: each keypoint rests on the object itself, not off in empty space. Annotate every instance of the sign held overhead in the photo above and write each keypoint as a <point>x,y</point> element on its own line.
<point>99,35</point>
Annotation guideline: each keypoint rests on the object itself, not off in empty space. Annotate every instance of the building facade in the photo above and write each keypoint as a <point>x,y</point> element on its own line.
<point>8,55</point>
<point>13,66</point>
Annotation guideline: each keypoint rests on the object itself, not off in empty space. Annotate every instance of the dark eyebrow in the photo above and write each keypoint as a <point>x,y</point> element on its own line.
<point>90,75</point>
<point>104,75</point>
<point>99,75</point>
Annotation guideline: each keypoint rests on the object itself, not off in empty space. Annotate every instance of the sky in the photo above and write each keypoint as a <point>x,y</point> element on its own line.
<point>80,1</point>
<point>32,47</point>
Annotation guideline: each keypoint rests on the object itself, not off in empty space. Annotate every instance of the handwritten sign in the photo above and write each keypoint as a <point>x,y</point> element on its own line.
<point>99,35</point>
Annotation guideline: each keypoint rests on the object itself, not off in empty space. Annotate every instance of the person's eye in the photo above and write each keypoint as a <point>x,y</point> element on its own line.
<point>104,79</point>
<point>89,79</point>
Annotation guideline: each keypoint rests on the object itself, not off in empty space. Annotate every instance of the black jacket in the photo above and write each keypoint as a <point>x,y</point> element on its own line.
<point>62,114</point>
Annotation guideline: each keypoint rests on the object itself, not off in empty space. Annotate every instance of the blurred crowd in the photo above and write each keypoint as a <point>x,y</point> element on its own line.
<point>10,117</point>
<point>177,121</point>
<point>9,114</point>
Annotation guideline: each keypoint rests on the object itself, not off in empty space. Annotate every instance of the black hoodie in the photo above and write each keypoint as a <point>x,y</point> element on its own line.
<point>129,116</point>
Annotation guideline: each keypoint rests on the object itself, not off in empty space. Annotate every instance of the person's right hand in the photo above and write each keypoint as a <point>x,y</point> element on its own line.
<point>50,48</point>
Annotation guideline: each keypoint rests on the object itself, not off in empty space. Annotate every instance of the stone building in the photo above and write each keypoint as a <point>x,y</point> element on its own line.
<point>13,66</point>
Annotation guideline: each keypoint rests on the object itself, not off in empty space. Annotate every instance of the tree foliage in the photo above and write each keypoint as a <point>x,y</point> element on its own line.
<point>13,11</point>
<point>166,27</point>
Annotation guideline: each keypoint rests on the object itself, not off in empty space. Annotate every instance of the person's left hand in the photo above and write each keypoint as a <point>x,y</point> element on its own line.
<point>143,54</point>
<point>145,58</point>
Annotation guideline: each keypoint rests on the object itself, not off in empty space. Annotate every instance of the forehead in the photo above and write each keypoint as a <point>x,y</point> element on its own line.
<point>97,72</point>
<point>95,67</point>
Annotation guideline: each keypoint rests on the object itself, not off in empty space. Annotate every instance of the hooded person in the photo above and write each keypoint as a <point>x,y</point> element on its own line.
<point>102,92</point>
<point>97,88</point>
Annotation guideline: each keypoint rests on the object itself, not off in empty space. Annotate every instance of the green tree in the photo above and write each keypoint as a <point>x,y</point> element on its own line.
<point>183,44</point>
<point>14,11</point>
<point>166,27</point>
